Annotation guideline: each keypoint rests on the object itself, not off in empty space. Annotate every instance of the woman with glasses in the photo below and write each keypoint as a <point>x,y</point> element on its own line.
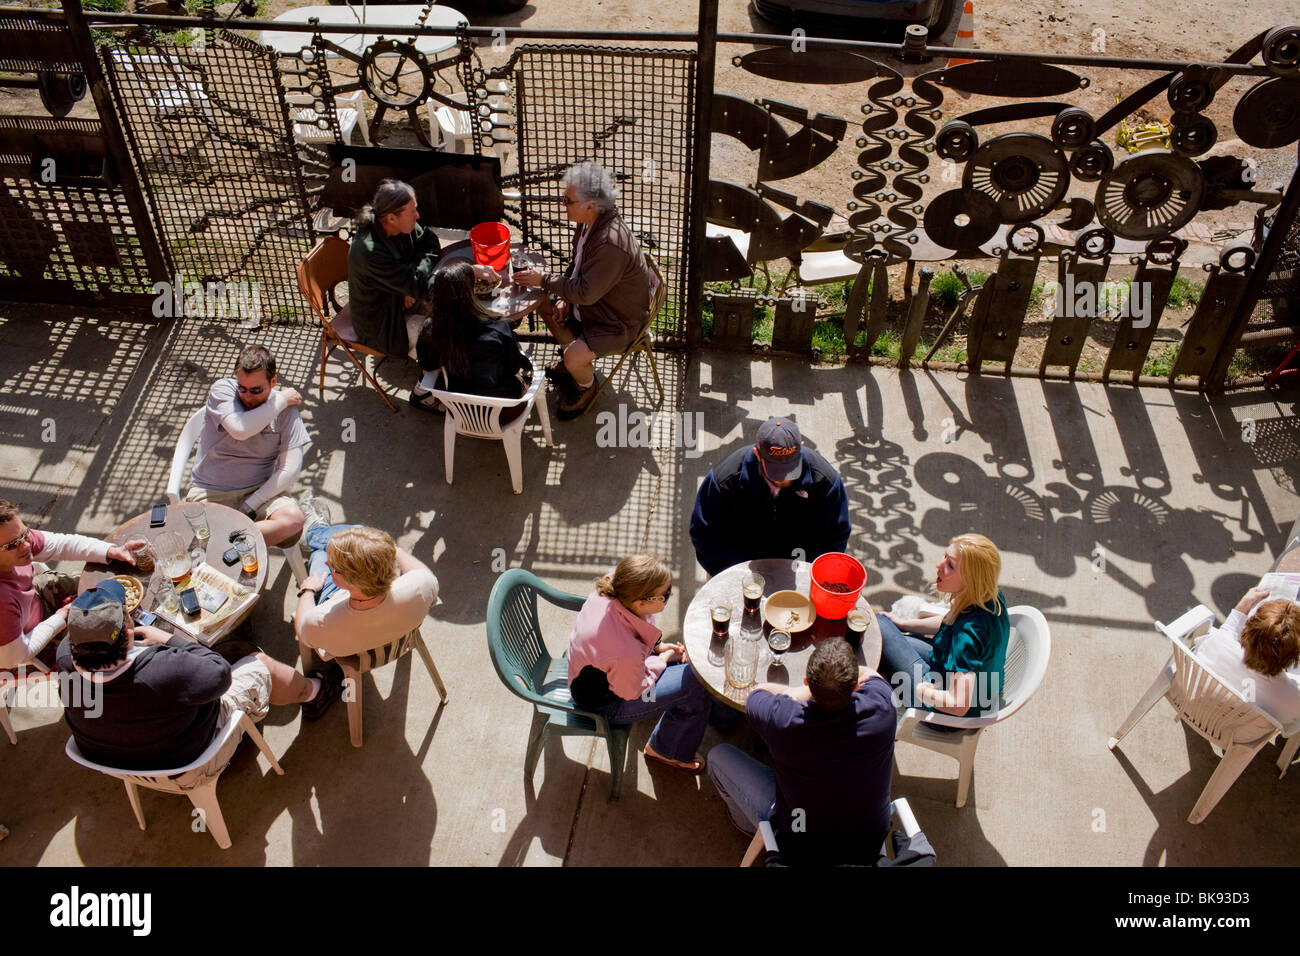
<point>620,666</point>
<point>34,599</point>
<point>603,297</point>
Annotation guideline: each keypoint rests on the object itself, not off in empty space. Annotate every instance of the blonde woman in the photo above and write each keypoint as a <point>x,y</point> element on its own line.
<point>953,662</point>
<point>620,666</point>
<point>363,591</point>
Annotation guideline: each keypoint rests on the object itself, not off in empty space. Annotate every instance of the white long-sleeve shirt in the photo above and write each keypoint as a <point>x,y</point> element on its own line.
<point>1278,696</point>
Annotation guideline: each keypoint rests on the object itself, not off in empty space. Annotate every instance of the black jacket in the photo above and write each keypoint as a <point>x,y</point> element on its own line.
<point>737,518</point>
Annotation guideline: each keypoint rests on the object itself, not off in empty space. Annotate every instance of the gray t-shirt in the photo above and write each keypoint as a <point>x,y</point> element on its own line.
<point>227,464</point>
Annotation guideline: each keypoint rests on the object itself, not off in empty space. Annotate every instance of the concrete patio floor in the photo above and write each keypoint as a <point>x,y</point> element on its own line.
<point>1113,507</point>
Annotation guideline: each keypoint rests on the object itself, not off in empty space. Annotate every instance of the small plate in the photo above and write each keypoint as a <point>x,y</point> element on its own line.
<point>134,592</point>
<point>789,611</point>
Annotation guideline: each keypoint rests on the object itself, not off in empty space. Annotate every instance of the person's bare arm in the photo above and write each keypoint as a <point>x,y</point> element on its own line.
<point>916,625</point>
<point>956,700</point>
<point>409,562</point>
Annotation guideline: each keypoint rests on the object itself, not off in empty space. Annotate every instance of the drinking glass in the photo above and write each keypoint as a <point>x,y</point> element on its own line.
<point>752,588</point>
<point>144,557</point>
<point>173,556</point>
<point>247,549</point>
<point>197,516</point>
<point>165,595</point>
<point>778,642</point>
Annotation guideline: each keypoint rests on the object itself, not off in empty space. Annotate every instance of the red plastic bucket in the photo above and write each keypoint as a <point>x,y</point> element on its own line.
<point>836,568</point>
<point>491,242</point>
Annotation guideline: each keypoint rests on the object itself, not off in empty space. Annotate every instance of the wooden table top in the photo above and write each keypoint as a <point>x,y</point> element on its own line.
<point>779,574</point>
<point>221,522</point>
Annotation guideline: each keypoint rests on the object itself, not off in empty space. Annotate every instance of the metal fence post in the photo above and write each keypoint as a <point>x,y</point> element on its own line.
<point>696,242</point>
<point>1263,268</point>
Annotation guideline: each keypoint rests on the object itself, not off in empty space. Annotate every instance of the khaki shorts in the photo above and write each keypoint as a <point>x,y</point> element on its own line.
<point>235,499</point>
<point>249,693</point>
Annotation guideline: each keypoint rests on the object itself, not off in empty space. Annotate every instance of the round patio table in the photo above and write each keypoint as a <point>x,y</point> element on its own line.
<point>222,521</point>
<point>292,43</point>
<point>779,574</point>
<point>509,301</point>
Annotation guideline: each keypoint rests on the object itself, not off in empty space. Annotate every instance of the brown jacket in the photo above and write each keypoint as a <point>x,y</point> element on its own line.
<point>611,287</point>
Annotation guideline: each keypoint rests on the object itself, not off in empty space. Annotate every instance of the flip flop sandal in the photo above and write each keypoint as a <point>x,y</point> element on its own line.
<point>695,766</point>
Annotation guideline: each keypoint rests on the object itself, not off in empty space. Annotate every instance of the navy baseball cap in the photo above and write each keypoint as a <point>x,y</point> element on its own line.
<point>779,444</point>
<point>98,615</point>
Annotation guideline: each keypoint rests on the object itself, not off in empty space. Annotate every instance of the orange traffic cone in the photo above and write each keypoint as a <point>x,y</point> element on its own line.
<point>965,33</point>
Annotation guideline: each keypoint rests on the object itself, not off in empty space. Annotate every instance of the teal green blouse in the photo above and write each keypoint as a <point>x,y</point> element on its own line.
<point>975,643</point>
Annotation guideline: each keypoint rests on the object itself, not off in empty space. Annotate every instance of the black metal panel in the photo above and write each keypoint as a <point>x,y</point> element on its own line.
<point>1069,329</point>
<point>1134,336</point>
<point>1209,325</point>
<point>733,321</point>
<point>792,325</point>
<point>1000,311</point>
<point>455,190</point>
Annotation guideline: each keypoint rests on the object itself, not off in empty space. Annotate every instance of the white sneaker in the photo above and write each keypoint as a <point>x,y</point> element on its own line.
<point>315,512</point>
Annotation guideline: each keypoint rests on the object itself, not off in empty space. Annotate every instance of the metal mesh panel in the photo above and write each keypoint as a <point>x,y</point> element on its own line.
<point>629,110</point>
<point>61,241</point>
<point>211,138</point>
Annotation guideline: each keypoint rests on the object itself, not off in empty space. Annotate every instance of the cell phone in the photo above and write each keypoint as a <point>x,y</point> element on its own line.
<point>158,517</point>
<point>190,601</point>
<point>230,556</point>
<point>144,617</point>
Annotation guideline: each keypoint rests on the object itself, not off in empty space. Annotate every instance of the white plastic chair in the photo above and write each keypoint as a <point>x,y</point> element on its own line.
<point>1235,727</point>
<point>172,91</point>
<point>31,671</point>
<point>902,818</point>
<point>185,444</point>
<point>307,123</point>
<point>478,416</point>
<point>450,130</point>
<point>355,665</point>
<point>199,787</point>
<point>1028,651</point>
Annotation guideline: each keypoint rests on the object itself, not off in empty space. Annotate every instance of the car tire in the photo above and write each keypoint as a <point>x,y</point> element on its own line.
<point>946,9</point>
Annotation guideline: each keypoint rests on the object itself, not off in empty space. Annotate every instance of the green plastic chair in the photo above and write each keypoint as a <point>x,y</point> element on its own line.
<point>520,657</point>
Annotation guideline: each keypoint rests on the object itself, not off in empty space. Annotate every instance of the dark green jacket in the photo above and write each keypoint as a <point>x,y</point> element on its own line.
<point>382,270</point>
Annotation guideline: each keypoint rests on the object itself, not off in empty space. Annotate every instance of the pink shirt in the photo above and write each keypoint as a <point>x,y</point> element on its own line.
<point>610,638</point>
<point>20,608</point>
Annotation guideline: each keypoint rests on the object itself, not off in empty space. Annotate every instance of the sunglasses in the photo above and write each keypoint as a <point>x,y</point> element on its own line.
<point>662,597</point>
<point>257,390</point>
<point>17,542</point>
<point>570,202</point>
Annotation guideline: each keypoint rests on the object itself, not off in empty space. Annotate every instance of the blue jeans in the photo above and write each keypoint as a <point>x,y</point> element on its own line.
<point>747,787</point>
<point>685,705</point>
<point>317,538</point>
<point>904,658</point>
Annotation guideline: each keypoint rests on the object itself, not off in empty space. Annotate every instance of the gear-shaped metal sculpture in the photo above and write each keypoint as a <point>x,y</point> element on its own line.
<point>395,74</point>
<point>1150,194</point>
<point>1023,173</point>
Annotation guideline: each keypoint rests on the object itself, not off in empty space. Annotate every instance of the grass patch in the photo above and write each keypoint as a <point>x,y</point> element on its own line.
<point>1162,364</point>
<point>1185,292</point>
<point>946,287</point>
<point>888,345</point>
